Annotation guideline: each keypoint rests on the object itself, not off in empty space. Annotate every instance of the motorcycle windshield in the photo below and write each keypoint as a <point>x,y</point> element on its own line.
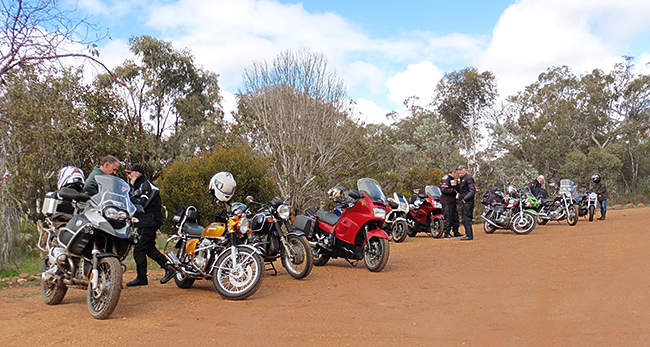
<point>371,188</point>
<point>568,187</point>
<point>113,192</point>
<point>434,191</point>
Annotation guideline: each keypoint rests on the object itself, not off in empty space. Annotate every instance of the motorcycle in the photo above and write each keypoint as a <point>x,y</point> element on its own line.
<point>267,235</point>
<point>395,222</point>
<point>563,206</point>
<point>356,234</point>
<point>588,204</point>
<point>508,211</point>
<point>216,252</point>
<point>85,240</point>
<point>426,214</point>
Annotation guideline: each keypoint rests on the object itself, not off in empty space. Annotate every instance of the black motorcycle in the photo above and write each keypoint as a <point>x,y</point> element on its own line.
<point>268,235</point>
<point>563,206</point>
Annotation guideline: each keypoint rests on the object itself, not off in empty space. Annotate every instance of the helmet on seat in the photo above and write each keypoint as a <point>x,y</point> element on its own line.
<point>596,177</point>
<point>335,192</point>
<point>71,177</point>
<point>511,190</point>
<point>222,186</point>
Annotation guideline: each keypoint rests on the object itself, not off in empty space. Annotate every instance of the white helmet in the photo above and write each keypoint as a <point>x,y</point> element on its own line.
<point>71,176</point>
<point>222,186</point>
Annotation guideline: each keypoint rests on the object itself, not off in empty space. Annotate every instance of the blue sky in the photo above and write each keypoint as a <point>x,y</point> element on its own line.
<point>386,51</point>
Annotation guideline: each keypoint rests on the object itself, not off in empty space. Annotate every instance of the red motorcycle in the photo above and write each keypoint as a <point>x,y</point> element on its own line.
<point>356,234</point>
<point>425,215</point>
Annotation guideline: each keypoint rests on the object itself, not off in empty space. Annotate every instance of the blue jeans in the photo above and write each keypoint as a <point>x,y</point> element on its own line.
<point>603,205</point>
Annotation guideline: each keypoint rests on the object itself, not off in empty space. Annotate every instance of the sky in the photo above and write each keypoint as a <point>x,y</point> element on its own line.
<point>386,51</point>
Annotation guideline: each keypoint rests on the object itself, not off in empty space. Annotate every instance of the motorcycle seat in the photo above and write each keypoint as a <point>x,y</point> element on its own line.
<point>327,217</point>
<point>192,230</point>
<point>67,193</point>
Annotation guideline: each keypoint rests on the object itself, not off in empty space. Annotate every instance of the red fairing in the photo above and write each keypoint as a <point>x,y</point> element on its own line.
<point>353,219</point>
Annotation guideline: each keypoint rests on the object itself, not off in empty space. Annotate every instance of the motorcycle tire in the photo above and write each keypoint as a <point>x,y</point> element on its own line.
<point>411,232</point>
<point>541,221</point>
<point>300,262</point>
<point>572,218</point>
<point>103,299</point>
<point>489,228</point>
<point>435,227</point>
<point>321,257</point>
<point>399,231</point>
<point>523,223</point>
<point>375,254</point>
<point>182,281</point>
<point>241,282</point>
<point>52,294</point>
<point>592,211</point>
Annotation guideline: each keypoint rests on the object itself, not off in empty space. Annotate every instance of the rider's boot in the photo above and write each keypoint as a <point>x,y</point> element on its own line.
<point>602,215</point>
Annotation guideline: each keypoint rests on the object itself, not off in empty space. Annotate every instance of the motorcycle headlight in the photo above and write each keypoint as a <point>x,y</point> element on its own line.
<point>115,214</point>
<point>593,195</point>
<point>379,212</point>
<point>284,211</point>
<point>244,225</point>
<point>437,204</point>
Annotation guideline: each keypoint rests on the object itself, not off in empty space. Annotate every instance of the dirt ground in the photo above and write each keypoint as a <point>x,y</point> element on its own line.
<point>586,285</point>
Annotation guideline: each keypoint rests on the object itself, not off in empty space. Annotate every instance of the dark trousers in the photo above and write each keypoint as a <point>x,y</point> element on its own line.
<point>450,211</point>
<point>146,246</point>
<point>603,206</point>
<point>468,214</point>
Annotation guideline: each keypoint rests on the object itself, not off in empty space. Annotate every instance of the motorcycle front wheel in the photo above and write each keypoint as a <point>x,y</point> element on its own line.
<point>103,298</point>
<point>52,294</point>
<point>375,254</point>
<point>523,223</point>
<point>488,228</point>
<point>240,281</point>
<point>299,261</point>
<point>592,211</point>
<point>572,218</point>
<point>435,227</point>
<point>399,230</point>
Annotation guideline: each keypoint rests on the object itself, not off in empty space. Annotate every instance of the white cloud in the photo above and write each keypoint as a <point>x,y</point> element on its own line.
<point>533,35</point>
<point>418,80</point>
<point>370,113</point>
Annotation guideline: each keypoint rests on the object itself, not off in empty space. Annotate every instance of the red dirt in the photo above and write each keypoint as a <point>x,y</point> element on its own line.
<point>559,285</point>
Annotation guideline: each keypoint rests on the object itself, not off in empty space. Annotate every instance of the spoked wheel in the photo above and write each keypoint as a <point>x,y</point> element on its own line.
<point>399,230</point>
<point>592,211</point>
<point>103,298</point>
<point>321,256</point>
<point>489,228</point>
<point>523,223</point>
<point>299,260</point>
<point>238,279</point>
<point>52,294</point>
<point>375,254</point>
<point>572,218</point>
<point>435,227</point>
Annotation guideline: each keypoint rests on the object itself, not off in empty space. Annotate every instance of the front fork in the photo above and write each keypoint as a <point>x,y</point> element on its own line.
<point>94,278</point>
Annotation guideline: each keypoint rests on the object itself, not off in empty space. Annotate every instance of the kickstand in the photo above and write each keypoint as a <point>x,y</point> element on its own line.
<point>275,272</point>
<point>353,263</point>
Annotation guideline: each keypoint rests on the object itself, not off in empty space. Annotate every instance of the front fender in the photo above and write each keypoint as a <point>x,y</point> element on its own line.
<point>375,233</point>
<point>251,248</point>
<point>296,232</point>
<point>531,211</point>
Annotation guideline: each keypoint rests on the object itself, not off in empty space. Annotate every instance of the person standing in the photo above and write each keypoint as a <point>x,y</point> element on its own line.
<point>109,166</point>
<point>147,194</point>
<point>467,190</point>
<point>537,187</point>
<point>449,190</point>
<point>601,189</point>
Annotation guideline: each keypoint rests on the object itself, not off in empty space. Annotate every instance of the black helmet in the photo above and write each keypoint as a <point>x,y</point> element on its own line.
<point>596,177</point>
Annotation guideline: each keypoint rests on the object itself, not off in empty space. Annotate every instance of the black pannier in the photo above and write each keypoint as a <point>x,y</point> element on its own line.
<point>306,224</point>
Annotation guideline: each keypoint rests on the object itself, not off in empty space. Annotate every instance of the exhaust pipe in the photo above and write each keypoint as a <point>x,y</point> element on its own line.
<point>490,221</point>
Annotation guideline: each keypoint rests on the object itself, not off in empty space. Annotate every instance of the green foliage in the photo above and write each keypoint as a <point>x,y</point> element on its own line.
<point>185,183</point>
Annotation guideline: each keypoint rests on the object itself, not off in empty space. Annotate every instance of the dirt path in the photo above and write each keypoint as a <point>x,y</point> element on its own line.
<point>560,285</point>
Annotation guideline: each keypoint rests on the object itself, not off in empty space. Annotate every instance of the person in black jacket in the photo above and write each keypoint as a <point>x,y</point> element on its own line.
<point>467,190</point>
<point>601,189</point>
<point>449,190</point>
<point>537,187</point>
<point>147,194</point>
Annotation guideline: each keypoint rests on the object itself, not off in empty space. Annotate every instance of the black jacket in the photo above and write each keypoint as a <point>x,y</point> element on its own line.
<point>467,188</point>
<point>147,194</point>
<point>449,190</point>
<point>601,189</point>
<point>537,190</point>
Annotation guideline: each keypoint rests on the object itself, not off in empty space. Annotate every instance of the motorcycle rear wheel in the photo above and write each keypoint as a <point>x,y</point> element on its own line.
<point>52,294</point>
<point>182,281</point>
<point>592,211</point>
<point>572,218</point>
<point>399,230</point>
<point>321,257</point>
<point>375,254</point>
<point>241,282</point>
<point>103,299</point>
<point>523,223</point>
<point>435,227</point>
<point>300,261</point>
<point>489,228</point>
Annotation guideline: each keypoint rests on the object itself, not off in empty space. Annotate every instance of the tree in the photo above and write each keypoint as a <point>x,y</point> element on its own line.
<point>294,110</point>
<point>463,98</point>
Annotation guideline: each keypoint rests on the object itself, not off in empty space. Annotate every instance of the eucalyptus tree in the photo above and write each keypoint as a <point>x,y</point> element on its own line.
<point>294,109</point>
